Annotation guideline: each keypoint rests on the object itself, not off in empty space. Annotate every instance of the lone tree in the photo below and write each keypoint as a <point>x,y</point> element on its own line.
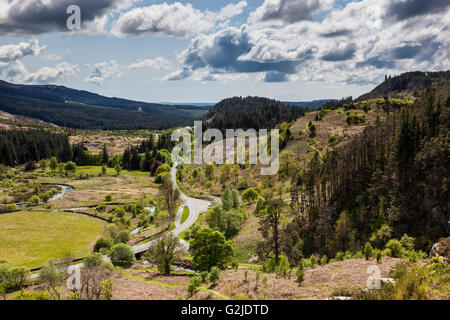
<point>92,278</point>
<point>43,164</point>
<point>53,164</point>
<point>165,250</point>
<point>118,169</point>
<point>171,195</point>
<point>105,156</point>
<point>209,249</point>
<point>269,226</point>
<point>121,255</point>
<point>51,278</point>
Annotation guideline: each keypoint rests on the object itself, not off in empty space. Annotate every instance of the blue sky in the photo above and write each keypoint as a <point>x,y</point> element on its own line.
<point>204,51</point>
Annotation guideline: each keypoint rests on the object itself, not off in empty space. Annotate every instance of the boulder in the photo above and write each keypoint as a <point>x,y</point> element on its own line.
<point>441,249</point>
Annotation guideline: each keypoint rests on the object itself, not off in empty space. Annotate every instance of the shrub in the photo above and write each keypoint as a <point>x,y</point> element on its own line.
<point>93,260</point>
<point>112,230</point>
<point>283,267</point>
<point>378,255</point>
<point>414,281</point>
<point>312,129</point>
<point>414,256</point>
<point>159,177</point>
<point>108,197</point>
<point>43,164</point>
<point>103,243</point>
<point>5,273</point>
<point>107,288</point>
<point>250,195</point>
<point>70,167</point>
<point>269,265</point>
<point>227,222</point>
<point>30,296</point>
<point>193,286</point>
<point>339,256</point>
<point>259,205</point>
<point>214,275</point>
<point>347,255</point>
<point>11,207</point>
<point>118,169</point>
<point>313,260</point>
<point>368,251</point>
<point>407,242</point>
<point>334,140</point>
<point>19,276</point>
<point>30,166</point>
<point>33,201</point>
<point>46,196</point>
<point>306,263</point>
<point>300,274</point>
<point>204,276</point>
<point>195,173</point>
<point>53,164</point>
<point>122,237</point>
<point>108,265</point>
<point>395,247</point>
<point>163,169</point>
<point>121,255</point>
<point>51,278</point>
<point>381,236</point>
<point>355,119</point>
<point>323,260</point>
<point>120,212</point>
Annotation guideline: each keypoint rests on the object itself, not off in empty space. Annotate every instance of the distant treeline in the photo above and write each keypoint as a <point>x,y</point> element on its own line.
<point>250,112</point>
<point>20,146</point>
<point>152,150</point>
<point>409,83</point>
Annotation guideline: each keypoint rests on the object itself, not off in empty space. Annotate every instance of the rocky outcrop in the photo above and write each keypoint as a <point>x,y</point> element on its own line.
<point>442,249</point>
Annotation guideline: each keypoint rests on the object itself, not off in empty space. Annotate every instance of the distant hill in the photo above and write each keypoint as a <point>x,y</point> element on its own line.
<point>250,112</point>
<point>313,105</point>
<point>196,104</point>
<point>410,84</point>
<point>82,109</point>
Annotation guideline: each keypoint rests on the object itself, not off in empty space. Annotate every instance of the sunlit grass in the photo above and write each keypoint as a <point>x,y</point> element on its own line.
<point>33,238</point>
<point>185,214</point>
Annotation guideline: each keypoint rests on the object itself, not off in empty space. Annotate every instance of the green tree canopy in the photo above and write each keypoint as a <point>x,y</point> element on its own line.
<point>209,249</point>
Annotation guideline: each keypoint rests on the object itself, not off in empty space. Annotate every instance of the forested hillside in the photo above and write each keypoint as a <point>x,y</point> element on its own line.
<point>85,110</point>
<point>250,112</point>
<point>410,84</point>
<point>390,180</point>
<point>20,146</point>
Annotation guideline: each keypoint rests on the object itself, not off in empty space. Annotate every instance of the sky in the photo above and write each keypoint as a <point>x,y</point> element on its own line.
<point>208,50</point>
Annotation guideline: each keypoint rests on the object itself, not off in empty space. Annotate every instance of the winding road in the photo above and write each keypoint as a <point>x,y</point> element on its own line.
<point>196,206</point>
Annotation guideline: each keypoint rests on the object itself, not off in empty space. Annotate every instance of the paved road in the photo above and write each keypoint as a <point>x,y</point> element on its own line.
<point>196,206</point>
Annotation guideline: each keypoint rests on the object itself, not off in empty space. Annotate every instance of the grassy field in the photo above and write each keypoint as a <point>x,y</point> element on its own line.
<point>32,238</point>
<point>185,214</point>
<point>95,170</point>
